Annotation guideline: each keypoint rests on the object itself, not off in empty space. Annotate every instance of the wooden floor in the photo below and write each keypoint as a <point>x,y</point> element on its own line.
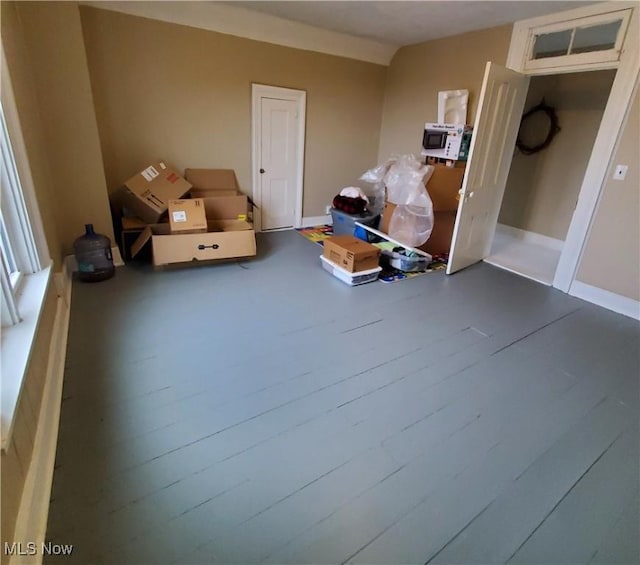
<point>530,259</point>
<point>265,412</point>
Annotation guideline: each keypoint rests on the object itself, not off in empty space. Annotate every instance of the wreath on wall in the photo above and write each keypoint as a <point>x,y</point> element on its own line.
<point>529,147</point>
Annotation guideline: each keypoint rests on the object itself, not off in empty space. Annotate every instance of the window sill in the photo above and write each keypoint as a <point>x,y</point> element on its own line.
<point>17,343</point>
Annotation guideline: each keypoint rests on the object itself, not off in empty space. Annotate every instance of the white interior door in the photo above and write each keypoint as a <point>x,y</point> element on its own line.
<point>278,167</point>
<point>498,117</point>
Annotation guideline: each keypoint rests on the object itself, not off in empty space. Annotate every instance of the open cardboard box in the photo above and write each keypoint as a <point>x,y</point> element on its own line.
<point>229,235</point>
<point>212,182</point>
<point>218,183</point>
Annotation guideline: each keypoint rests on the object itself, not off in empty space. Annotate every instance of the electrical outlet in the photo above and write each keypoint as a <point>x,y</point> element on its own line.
<point>327,210</point>
<point>620,172</point>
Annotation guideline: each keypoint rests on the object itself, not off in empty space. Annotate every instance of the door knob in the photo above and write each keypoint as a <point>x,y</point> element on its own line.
<point>261,171</point>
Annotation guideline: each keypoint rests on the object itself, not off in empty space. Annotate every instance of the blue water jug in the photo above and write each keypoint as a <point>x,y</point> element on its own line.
<point>93,255</point>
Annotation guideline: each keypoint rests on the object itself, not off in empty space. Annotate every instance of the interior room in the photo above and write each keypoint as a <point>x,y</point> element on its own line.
<point>543,187</point>
<point>236,403</point>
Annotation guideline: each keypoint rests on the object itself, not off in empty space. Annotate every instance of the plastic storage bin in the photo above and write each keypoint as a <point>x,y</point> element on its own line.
<point>352,279</point>
<point>345,224</point>
<point>408,264</point>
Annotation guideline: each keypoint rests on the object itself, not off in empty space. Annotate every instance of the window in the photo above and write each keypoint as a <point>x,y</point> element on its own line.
<point>597,36</point>
<point>590,40</point>
<point>586,39</point>
<point>25,266</point>
<point>17,243</point>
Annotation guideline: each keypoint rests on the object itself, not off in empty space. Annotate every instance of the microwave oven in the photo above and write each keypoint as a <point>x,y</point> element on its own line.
<point>434,139</point>
<point>446,141</point>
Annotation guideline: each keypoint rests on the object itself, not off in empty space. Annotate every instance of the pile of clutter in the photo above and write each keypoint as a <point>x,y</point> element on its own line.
<point>199,217</point>
<point>401,182</point>
<point>408,203</point>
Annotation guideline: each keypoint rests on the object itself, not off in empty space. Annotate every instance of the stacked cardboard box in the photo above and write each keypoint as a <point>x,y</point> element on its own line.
<point>351,253</point>
<point>212,224</point>
<point>350,259</point>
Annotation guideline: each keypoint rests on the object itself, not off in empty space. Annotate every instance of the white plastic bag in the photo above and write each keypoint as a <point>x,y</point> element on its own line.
<point>403,179</point>
<point>411,225</point>
<point>412,219</point>
<point>375,177</point>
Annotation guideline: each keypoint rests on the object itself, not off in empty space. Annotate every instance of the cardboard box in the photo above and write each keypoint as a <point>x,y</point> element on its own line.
<point>227,207</point>
<point>220,183</point>
<point>133,223</point>
<point>225,239</point>
<point>446,141</point>
<point>147,194</point>
<point>187,216</point>
<point>440,239</point>
<point>229,235</point>
<point>443,187</point>
<point>212,182</point>
<point>351,253</point>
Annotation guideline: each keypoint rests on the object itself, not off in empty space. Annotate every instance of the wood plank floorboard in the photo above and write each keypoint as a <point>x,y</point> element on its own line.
<point>265,412</point>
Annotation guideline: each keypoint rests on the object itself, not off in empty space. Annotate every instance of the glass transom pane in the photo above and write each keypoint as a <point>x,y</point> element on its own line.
<point>596,38</point>
<point>554,44</point>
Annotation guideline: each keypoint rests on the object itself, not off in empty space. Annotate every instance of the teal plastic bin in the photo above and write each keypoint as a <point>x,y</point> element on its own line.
<point>345,224</point>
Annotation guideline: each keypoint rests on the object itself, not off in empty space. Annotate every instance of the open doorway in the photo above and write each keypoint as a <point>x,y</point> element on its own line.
<point>542,188</point>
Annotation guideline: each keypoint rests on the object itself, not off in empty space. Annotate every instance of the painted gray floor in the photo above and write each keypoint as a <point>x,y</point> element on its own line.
<point>265,412</point>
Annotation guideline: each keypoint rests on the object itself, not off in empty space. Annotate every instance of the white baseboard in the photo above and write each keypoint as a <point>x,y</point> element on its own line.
<point>310,221</point>
<point>31,522</point>
<point>606,299</point>
<point>117,258</point>
<point>532,237</point>
<point>64,280</point>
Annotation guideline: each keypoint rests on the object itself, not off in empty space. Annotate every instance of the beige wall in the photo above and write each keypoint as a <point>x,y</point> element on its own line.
<point>418,72</point>
<point>611,259</point>
<point>57,62</point>
<point>543,188</point>
<point>184,95</point>
<point>15,461</point>
<point>20,71</point>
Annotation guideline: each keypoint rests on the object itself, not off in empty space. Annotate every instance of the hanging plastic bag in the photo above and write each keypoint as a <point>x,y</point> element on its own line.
<point>404,179</point>
<point>411,225</point>
<point>400,180</point>
<point>375,177</point>
<point>412,219</point>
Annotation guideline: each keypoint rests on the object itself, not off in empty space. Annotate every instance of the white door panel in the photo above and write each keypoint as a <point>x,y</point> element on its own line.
<point>498,117</point>
<point>278,161</point>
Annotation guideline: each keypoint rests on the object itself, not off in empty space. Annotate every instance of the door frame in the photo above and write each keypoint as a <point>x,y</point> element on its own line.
<point>259,91</point>
<point>611,125</point>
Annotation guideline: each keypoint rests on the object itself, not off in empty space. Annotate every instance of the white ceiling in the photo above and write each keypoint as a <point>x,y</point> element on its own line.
<point>401,23</point>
